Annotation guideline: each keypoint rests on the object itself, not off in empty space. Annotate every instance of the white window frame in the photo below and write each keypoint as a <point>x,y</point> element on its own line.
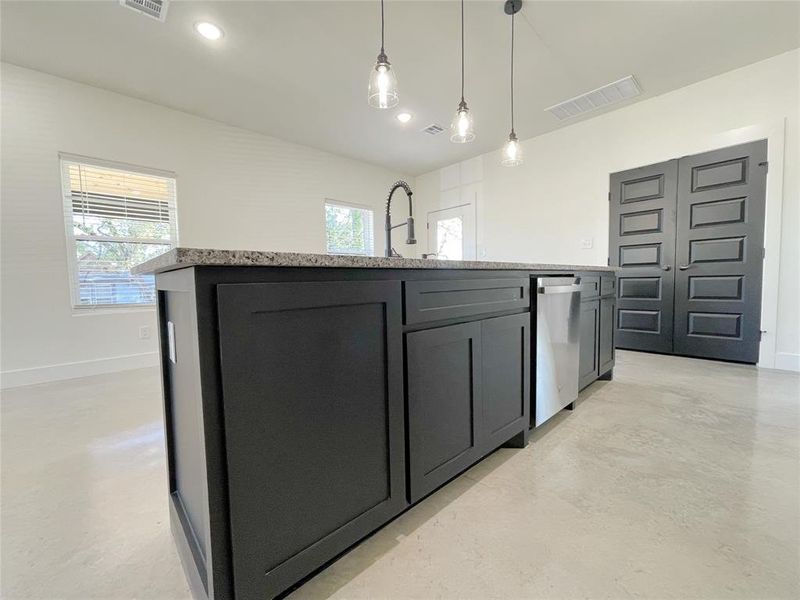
<point>370,241</point>
<point>72,252</point>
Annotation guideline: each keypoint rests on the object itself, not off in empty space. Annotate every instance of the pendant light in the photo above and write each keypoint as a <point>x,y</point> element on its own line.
<point>462,129</point>
<point>512,151</point>
<point>382,90</point>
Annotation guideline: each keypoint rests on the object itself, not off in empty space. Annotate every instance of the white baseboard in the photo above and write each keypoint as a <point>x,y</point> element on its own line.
<point>786,361</point>
<point>18,377</point>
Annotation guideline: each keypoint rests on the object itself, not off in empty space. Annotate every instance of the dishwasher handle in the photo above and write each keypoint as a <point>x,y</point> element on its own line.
<point>560,289</point>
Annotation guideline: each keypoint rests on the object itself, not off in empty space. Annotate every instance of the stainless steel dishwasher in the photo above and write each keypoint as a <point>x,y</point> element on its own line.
<point>558,304</point>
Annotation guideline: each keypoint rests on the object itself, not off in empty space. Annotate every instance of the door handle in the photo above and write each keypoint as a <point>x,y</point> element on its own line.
<point>684,267</point>
<point>666,267</point>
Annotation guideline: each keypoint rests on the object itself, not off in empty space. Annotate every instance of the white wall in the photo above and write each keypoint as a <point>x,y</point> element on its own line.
<point>542,210</point>
<point>236,190</point>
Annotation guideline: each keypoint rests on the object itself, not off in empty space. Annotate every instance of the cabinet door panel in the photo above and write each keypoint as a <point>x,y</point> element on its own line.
<point>606,341</point>
<point>590,322</point>
<point>313,410</point>
<point>444,391</point>
<point>505,351</point>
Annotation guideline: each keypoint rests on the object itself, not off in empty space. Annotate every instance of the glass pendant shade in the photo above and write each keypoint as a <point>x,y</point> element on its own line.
<point>462,129</point>
<point>512,152</point>
<point>382,91</point>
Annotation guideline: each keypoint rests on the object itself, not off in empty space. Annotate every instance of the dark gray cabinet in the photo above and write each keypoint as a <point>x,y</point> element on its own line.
<point>605,342</point>
<point>505,381</point>
<point>428,301</point>
<point>598,311</point>
<point>313,412</point>
<point>590,333</point>
<point>444,410</point>
<point>468,393</point>
<point>304,410</point>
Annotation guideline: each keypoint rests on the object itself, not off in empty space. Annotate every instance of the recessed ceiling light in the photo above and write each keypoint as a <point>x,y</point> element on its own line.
<point>208,30</point>
<point>403,117</point>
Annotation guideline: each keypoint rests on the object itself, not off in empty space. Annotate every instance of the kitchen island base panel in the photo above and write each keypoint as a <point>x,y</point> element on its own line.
<point>289,397</point>
<point>520,440</point>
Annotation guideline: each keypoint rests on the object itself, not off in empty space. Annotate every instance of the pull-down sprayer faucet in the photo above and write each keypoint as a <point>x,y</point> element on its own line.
<point>391,252</point>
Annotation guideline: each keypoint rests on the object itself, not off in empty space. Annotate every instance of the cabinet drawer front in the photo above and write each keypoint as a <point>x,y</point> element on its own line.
<point>427,301</point>
<point>444,391</point>
<point>608,285</point>
<point>590,287</point>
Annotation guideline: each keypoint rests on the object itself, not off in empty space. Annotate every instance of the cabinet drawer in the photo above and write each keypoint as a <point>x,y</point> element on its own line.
<point>427,301</point>
<point>590,287</point>
<point>608,285</point>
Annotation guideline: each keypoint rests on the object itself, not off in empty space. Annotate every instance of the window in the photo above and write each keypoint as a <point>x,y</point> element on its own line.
<point>116,217</point>
<point>348,229</point>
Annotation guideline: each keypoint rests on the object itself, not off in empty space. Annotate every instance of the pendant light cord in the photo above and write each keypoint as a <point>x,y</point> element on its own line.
<point>382,51</point>
<point>512,72</point>
<point>462,50</point>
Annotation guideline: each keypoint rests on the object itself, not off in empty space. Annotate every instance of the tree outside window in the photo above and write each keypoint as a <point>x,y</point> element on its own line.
<point>348,229</point>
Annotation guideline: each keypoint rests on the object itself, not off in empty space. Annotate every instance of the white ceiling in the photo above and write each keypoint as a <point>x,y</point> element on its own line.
<point>298,70</point>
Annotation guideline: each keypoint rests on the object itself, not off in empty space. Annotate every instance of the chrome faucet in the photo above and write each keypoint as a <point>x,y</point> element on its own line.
<point>391,252</point>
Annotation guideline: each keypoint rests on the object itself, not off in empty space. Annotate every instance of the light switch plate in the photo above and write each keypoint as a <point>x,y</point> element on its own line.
<point>587,243</point>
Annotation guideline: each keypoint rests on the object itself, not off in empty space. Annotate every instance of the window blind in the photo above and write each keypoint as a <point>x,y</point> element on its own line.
<point>116,217</point>
<point>115,194</point>
<point>349,229</point>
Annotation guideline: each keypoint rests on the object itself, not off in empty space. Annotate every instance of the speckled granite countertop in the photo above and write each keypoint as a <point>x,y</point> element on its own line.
<point>178,258</point>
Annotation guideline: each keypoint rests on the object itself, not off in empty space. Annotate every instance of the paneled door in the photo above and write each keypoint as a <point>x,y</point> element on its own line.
<point>642,244</point>
<point>720,241</point>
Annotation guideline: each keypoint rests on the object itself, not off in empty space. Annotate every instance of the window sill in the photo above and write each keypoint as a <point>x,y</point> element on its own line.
<point>88,311</point>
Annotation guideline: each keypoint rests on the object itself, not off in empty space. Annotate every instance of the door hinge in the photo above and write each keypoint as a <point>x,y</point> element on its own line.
<point>761,334</point>
<point>608,261</point>
<point>609,196</point>
<point>763,253</point>
<point>764,164</point>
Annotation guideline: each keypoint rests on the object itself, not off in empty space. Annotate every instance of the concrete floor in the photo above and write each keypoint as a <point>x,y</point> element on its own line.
<point>679,479</point>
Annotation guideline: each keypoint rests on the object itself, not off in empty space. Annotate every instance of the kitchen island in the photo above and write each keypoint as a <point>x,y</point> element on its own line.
<point>310,399</point>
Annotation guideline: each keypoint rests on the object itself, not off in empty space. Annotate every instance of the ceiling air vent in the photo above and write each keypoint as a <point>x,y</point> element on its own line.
<point>155,9</point>
<point>433,129</point>
<point>602,96</point>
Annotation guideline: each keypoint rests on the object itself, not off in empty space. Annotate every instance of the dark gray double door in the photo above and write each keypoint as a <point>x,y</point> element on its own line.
<point>688,236</point>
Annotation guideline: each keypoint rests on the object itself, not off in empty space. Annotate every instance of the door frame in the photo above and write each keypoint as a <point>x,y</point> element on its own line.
<point>775,133</point>
<point>469,224</point>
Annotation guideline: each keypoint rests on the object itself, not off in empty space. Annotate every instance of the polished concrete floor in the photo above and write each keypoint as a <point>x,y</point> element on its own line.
<point>679,479</point>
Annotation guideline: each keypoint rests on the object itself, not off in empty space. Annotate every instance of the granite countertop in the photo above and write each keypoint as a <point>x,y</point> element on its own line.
<point>178,258</point>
